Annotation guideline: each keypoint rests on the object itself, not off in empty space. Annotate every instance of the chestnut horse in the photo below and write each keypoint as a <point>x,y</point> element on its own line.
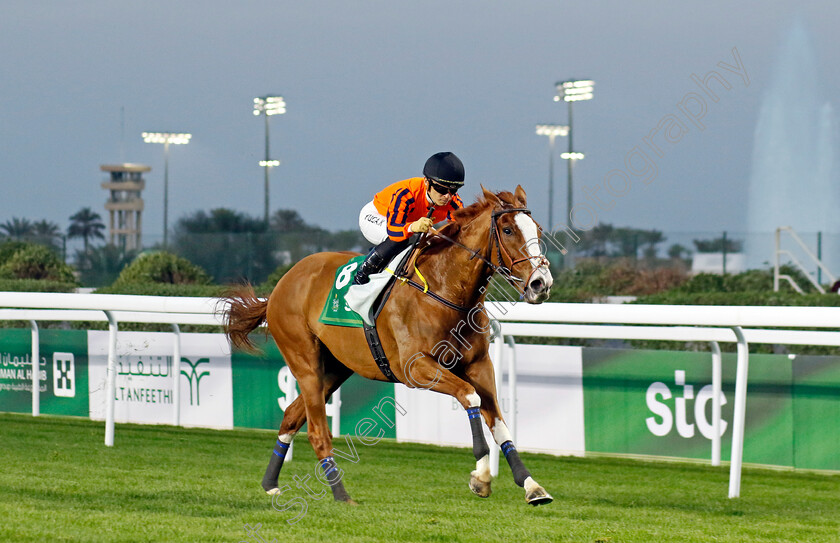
<point>495,234</point>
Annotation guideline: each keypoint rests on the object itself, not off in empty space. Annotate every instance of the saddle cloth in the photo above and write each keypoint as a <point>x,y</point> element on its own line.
<point>349,304</point>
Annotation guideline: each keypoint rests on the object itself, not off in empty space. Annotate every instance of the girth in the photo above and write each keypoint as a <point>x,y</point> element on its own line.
<point>372,336</point>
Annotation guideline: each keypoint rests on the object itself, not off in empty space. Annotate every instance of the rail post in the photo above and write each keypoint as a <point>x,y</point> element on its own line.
<point>36,369</point>
<point>111,379</point>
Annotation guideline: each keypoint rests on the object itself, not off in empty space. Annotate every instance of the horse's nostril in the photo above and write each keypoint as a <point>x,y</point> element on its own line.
<point>536,285</point>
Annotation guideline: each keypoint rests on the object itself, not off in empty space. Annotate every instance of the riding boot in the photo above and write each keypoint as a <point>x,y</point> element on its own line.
<point>378,257</point>
<point>372,264</point>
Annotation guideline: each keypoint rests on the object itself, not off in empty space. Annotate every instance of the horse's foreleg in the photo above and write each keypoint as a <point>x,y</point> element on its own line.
<point>423,372</point>
<point>481,375</point>
<point>480,478</point>
<point>534,493</point>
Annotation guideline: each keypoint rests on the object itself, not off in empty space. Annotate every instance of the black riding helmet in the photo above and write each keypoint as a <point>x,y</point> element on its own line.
<point>445,168</point>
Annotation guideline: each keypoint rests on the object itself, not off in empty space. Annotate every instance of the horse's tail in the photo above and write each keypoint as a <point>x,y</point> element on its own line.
<point>243,314</point>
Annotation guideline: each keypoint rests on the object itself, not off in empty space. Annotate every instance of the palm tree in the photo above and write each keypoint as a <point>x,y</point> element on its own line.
<point>46,228</point>
<point>86,224</point>
<point>47,233</point>
<point>17,228</point>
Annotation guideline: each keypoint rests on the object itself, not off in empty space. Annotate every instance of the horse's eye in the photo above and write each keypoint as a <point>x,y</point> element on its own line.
<point>507,231</point>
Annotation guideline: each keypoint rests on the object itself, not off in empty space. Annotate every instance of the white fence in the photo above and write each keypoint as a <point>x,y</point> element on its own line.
<point>35,306</point>
<point>740,324</point>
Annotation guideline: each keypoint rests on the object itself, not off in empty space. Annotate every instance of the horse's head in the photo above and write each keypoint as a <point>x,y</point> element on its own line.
<point>515,242</point>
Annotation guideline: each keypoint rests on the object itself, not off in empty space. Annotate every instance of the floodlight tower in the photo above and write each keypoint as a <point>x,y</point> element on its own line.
<point>552,131</point>
<point>268,106</point>
<point>175,138</point>
<point>572,91</point>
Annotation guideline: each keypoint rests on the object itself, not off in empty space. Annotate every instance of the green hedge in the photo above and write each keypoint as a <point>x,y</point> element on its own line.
<point>162,268</point>
<point>768,298</point>
<point>35,285</point>
<point>33,261</point>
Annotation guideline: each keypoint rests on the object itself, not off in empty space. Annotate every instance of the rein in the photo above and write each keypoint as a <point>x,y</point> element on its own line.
<point>495,239</point>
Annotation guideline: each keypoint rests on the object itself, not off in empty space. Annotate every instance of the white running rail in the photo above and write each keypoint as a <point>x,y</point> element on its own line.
<point>727,323</point>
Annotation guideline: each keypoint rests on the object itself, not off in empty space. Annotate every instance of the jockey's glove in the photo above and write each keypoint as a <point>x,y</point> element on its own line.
<point>421,225</point>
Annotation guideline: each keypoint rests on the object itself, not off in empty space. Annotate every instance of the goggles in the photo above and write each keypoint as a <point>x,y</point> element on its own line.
<point>441,189</point>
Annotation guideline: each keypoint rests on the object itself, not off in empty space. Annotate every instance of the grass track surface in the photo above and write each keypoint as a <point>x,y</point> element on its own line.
<point>58,482</point>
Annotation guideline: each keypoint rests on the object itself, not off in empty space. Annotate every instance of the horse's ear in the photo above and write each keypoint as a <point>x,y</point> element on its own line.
<point>491,197</point>
<point>521,199</point>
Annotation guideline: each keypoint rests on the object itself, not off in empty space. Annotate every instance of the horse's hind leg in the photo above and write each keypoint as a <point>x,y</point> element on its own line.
<point>335,374</point>
<point>480,374</point>
<point>293,419</point>
<point>319,433</point>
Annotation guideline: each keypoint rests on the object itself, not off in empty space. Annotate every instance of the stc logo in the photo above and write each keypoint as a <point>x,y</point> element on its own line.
<point>662,423</point>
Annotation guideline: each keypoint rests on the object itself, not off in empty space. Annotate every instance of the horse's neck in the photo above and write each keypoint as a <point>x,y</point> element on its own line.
<point>458,274</point>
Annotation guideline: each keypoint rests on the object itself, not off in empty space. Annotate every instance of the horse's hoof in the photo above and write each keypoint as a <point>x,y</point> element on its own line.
<point>344,497</point>
<point>538,496</point>
<point>479,488</point>
<point>272,491</point>
<point>341,495</point>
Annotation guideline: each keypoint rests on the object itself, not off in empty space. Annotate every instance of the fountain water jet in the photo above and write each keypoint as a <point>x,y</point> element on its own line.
<point>794,168</point>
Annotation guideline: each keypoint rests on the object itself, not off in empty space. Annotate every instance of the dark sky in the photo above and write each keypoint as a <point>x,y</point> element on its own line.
<point>375,87</point>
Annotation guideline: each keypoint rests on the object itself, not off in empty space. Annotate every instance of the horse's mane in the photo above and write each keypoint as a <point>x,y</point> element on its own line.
<point>466,214</point>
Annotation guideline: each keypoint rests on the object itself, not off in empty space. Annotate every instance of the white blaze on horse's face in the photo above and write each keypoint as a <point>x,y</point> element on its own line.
<point>540,281</point>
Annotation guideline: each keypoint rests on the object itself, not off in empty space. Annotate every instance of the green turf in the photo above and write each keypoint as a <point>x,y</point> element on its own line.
<point>58,482</point>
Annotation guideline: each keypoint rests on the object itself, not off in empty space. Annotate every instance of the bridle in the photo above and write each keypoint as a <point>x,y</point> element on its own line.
<point>505,271</point>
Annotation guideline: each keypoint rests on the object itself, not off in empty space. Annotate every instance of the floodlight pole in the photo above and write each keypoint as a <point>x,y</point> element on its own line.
<point>552,131</point>
<point>166,138</point>
<point>570,163</point>
<point>165,194</point>
<point>267,106</point>
<point>551,181</point>
<point>572,91</point>
<point>266,168</point>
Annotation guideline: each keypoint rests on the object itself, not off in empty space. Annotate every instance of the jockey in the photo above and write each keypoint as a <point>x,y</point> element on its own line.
<point>401,209</point>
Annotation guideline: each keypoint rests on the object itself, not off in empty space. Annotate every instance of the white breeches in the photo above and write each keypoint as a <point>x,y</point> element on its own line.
<point>373,224</point>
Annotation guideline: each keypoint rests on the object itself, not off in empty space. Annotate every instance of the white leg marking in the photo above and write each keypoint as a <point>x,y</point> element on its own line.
<point>500,432</point>
<point>482,469</point>
<point>474,399</point>
<point>287,438</point>
<point>530,485</point>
